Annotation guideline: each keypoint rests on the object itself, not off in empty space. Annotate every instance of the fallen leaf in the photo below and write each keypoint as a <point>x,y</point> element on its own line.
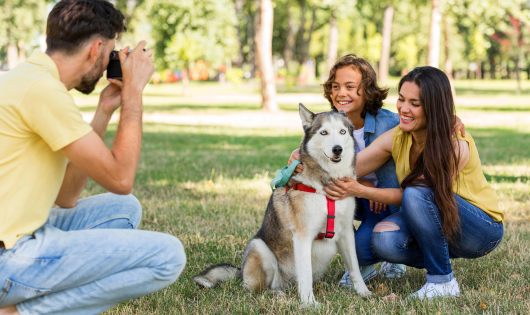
<point>519,296</point>
<point>391,296</point>
<point>483,305</point>
<point>516,276</point>
<point>382,289</point>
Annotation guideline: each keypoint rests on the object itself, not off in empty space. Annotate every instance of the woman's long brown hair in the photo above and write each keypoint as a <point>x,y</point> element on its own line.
<point>438,161</point>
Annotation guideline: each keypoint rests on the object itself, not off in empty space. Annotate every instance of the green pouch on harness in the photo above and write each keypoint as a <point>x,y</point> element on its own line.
<point>283,175</point>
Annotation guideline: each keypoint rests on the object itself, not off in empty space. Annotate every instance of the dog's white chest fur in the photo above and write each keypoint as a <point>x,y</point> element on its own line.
<point>315,211</point>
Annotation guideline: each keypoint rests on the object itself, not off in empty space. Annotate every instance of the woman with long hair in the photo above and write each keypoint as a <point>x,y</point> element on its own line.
<point>448,209</point>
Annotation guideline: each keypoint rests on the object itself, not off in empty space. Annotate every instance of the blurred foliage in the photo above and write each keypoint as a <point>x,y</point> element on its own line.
<point>21,22</point>
<point>184,31</point>
<point>493,34</point>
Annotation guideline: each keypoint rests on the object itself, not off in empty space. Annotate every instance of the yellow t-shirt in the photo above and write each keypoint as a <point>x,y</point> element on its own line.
<point>472,185</point>
<point>37,118</point>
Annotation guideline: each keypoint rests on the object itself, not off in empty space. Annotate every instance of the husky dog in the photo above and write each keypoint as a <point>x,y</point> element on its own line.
<point>285,251</point>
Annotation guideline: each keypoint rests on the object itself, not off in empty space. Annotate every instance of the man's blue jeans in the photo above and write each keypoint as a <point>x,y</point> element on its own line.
<point>420,242</point>
<point>87,259</point>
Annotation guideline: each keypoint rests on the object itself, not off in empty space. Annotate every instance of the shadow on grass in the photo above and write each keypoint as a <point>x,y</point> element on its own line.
<point>172,153</point>
<point>195,153</point>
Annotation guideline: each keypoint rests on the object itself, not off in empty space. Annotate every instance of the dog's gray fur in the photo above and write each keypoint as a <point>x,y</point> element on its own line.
<point>277,257</point>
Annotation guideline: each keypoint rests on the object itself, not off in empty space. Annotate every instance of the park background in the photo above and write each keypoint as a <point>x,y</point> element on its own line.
<point>221,115</point>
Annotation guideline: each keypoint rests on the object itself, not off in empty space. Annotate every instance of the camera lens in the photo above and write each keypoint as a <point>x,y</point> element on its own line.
<point>113,55</point>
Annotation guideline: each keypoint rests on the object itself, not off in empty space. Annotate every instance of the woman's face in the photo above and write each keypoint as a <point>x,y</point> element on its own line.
<point>344,91</point>
<point>411,114</point>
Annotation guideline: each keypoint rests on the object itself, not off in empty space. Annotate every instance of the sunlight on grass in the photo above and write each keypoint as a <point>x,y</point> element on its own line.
<point>209,186</point>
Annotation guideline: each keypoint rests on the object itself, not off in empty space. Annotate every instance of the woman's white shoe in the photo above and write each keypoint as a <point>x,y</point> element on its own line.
<point>435,290</point>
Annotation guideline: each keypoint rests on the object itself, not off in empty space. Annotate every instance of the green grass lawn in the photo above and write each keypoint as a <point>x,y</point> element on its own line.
<point>209,187</point>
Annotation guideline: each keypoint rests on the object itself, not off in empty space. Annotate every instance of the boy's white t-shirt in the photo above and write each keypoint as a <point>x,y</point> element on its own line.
<point>359,140</point>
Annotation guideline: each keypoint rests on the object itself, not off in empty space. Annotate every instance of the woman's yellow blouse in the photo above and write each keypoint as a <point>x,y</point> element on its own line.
<point>470,185</point>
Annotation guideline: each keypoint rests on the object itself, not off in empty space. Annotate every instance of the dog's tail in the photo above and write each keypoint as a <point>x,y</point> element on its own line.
<point>210,277</point>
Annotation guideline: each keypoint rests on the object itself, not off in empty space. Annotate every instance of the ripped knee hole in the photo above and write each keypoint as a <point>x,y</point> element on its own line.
<point>386,227</point>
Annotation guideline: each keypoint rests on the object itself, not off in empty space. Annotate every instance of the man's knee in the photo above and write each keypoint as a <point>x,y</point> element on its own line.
<point>175,258</point>
<point>127,205</point>
<point>135,209</point>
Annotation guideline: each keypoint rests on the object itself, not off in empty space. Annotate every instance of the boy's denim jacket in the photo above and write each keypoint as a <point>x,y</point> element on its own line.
<point>373,128</point>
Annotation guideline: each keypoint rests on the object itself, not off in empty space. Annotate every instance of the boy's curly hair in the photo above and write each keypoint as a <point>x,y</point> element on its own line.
<point>373,94</point>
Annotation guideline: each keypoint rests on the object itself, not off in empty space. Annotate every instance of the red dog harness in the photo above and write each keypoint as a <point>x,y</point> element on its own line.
<point>330,226</point>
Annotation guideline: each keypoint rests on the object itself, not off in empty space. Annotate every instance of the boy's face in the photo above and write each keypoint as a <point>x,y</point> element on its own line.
<point>345,93</point>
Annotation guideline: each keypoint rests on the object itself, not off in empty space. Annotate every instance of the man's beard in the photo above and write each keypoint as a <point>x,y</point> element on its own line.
<point>90,79</point>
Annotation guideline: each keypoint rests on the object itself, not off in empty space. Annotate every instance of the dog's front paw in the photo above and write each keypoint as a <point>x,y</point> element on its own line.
<point>364,292</point>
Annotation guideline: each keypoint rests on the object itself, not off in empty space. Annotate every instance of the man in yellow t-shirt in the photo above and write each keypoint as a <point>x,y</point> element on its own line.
<point>83,256</point>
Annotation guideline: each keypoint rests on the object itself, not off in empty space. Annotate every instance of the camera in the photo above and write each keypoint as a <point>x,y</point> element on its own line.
<point>114,67</point>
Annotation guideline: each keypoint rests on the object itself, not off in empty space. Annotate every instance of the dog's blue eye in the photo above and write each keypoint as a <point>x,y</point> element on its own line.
<point>324,132</point>
<point>343,132</point>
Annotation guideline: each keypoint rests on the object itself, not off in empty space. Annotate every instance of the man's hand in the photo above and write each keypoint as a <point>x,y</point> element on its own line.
<point>137,66</point>
<point>296,156</point>
<point>110,97</point>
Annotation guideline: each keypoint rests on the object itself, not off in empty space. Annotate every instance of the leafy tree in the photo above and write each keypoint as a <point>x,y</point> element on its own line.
<point>189,30</point>
<point>21,21</point>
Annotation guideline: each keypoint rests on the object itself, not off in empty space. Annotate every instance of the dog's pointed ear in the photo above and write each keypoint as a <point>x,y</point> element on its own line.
<point>306,115</point>
<point>343,113</point>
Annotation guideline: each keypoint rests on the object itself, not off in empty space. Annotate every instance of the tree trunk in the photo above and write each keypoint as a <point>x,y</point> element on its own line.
<point>433,58</point>
<point>517,76</point>
<point>21,51</point>
<point>478,74</point>
<point>263,44</point>
<point>385,49</point>
<point>288,51</point>
<point>185,82</point>
<point>12,56</point>
<point>238,5</point>
<point>301,31</point>
<point>333,41</point>
<point>305,47</point>
<point>448,68</point>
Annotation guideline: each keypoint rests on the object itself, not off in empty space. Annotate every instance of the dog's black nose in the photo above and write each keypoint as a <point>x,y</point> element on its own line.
<point>337,150</point>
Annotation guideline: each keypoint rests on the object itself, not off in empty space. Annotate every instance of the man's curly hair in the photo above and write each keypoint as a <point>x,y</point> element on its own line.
<point>373,94</point>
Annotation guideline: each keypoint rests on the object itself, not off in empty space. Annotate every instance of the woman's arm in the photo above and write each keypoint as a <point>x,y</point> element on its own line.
<point>346,187</point>
<point>375,155</point>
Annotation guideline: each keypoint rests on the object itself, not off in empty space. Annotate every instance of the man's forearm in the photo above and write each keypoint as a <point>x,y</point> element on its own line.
<point>74,179</point>
<point>128,140</point>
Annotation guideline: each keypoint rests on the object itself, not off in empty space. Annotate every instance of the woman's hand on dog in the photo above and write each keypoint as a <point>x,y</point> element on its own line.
<point>296,156</point>
<point>346,187</point>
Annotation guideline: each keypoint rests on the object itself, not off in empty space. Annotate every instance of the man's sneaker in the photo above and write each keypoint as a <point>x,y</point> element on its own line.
<point>367,272</point>
<point>392,271</point>
<point>435,290</point>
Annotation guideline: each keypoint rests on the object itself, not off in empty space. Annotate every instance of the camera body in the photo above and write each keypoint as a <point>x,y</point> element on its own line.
<point>114,67</point>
